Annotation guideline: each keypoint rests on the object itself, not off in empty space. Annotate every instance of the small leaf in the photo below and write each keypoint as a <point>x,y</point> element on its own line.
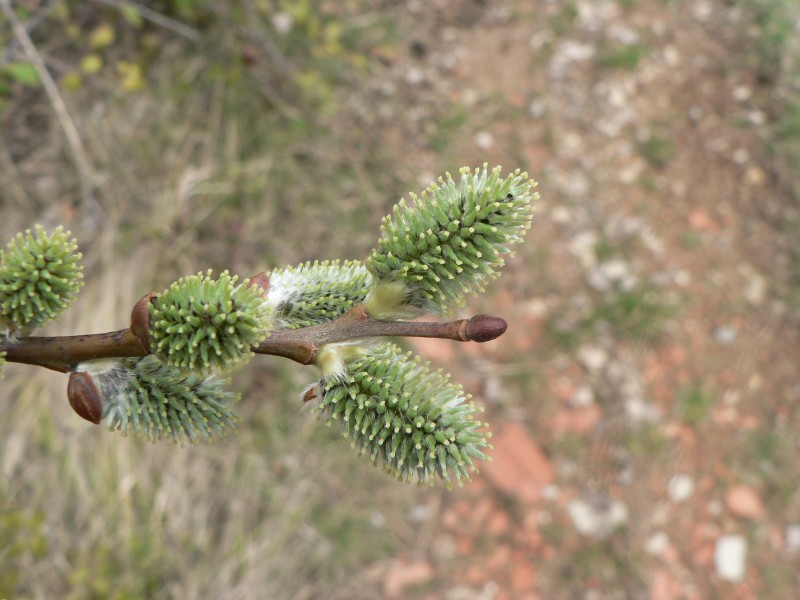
<point>91,64</point>
<point>102,37</point>
<point>72,81</point>
<point>24,73</point>
<point>131,74</point>
<point>131,14</point>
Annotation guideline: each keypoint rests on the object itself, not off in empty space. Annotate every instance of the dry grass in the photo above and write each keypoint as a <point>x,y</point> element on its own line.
<point>198,171</point>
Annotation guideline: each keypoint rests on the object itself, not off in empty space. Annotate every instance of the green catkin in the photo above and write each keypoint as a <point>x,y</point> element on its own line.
<point>144,397</point>
<point>408,419</point>
<point>313,293</point>
<point>39,277</point>
<point>201,323</point>
<point>448,243</point>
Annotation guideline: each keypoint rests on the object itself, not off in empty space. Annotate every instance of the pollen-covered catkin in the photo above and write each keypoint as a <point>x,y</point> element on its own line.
<point>448,243</point>
<point>408,419</point>
<point>313,293</point>
<point>202,324</point>
<point>39,277</point>
<point>144,397</point>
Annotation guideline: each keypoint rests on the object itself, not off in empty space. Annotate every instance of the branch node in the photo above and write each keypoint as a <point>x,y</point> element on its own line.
<point>140,320</point>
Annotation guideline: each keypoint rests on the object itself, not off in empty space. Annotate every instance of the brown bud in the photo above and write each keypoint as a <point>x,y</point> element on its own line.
<point>84,397</point>
<point>262,281</point>
<point>310,394</point>
<point>140,320</point>
<point>482,328</point>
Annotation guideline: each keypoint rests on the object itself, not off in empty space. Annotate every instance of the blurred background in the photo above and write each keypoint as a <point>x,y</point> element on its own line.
<point>645,401</point>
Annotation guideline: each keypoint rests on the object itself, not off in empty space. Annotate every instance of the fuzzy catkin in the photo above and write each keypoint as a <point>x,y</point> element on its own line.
<point>144,397</point>
<point>313,293</point>
<point>201,323</point>
<point>39,277</point>
<point>408,419</point>
<point>449,242</point>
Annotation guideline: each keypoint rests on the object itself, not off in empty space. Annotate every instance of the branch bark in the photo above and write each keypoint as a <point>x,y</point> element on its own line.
<point>64,353</point>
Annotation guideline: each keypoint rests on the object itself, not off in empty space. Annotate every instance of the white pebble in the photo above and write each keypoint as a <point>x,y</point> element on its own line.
<point>792,538</point>
<point>680,487</point>
<point>656,543</point>
<point>730,556</point>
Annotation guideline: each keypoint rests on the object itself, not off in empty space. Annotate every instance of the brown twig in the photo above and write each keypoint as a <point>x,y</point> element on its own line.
<point>301,345</point>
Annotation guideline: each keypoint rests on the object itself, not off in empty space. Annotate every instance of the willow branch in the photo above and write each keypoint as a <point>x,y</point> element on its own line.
<point>64,353</point>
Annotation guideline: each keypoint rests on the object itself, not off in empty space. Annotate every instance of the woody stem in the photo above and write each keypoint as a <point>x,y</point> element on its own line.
<point>64,353</point>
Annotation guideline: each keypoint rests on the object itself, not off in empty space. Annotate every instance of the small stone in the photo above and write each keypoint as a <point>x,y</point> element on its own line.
<point>583,396</point>
<point>282,22</point>
<point>569,52</point>
<point>484,140</point>
<point>671,56</point>
<point>519,468</point>
<point>583,247</point>
<point>561,215</point>
<point>656,543</point>
<point>420,513</point>
<point>741,156</point>
<point>714,508</point>
<point>498,523</point>
<point>597,518</point>
<point>592,358</point>
<point>523,575</point>
<point>725,334</point>
<point>537,109</point>
<point>681,278</point>
<point>631,172</point>
<point>792,537</point>
<point>755,290</point>
<point>742,93</point>
<point>414,76</point>
<point>664,585</point>
<point>403,575</point>
<point>743,501</point>
<point>757,117</point>
<point>608,273</point>
<point>680,487</point>
<point>730,557</point>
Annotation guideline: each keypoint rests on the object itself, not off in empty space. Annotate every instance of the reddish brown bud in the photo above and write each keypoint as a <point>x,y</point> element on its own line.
<point>262,281</point>
<point>140,320</point>
<point>84,397</point>
<point>310,394</point>
<point>483,328</point>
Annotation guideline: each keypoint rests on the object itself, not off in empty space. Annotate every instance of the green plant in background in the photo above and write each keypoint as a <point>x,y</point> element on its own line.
<point>695,404</point>
<point>160,378</point>
<point>626,58</point>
